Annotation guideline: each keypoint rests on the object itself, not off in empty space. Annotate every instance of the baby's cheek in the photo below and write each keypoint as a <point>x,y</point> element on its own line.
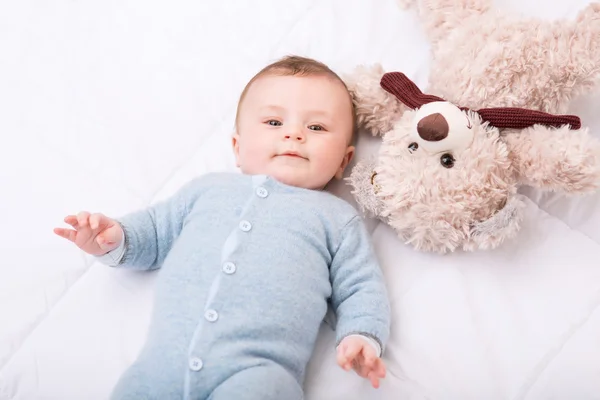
<point>328,158</point>
<point>254,154</point>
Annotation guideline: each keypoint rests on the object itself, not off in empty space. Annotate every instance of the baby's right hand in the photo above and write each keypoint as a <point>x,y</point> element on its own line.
<point>96,234</point>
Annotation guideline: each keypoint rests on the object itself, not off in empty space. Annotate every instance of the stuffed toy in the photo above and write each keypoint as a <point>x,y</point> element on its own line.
<point>451,162</point>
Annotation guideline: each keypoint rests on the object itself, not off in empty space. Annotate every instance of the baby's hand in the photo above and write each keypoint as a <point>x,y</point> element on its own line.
<point>355,352</point>
<point>96,234</point>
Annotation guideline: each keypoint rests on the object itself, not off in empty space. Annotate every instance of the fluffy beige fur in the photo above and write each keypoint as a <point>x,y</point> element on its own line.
<point>481,58</point>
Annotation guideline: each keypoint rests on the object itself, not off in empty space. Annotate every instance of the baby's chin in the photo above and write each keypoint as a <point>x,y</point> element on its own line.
<point>291,177</point>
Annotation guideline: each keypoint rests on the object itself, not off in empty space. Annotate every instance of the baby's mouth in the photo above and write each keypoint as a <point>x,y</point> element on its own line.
<point>292,154</point>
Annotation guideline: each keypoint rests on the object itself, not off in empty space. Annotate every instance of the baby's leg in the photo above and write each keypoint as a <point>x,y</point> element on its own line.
<point>149,381</point>
<point>134,384</point>
<point>265,382</point>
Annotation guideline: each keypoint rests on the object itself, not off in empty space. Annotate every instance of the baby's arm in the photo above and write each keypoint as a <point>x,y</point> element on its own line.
<point>139,240</point>
<point>359,298</point>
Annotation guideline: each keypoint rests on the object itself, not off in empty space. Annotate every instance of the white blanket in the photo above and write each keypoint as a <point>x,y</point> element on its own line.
<point>108,106</point>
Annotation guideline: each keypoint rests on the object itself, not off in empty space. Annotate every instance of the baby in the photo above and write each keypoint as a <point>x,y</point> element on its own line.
<point>249,262</point>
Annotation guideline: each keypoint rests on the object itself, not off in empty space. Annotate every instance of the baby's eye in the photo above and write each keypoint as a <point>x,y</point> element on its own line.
<point>315,127</point>
<point>274,122</point>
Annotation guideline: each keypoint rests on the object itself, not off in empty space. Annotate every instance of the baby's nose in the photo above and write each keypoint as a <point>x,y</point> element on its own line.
<point>433,128</point>
<point>294,135</point>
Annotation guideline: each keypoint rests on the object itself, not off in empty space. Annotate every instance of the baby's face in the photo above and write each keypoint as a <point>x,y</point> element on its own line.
<point>295,129</point>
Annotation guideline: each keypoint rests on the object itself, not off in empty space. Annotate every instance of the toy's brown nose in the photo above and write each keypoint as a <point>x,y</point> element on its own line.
<point>433,128</point>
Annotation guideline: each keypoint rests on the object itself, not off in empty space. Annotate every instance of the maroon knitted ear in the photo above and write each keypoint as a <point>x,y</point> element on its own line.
<point>520,118</point>
<point>405,90</point>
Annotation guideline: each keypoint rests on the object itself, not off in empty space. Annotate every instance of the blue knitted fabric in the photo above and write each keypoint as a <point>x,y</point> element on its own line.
<point>248,268</point>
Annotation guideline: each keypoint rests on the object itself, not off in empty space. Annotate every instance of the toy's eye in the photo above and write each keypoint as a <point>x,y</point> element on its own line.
<point>447,160</point>
<point>413,147</point>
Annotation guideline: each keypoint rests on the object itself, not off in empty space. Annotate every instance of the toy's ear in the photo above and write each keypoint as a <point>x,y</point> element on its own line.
<point>556,159</point>
<point>365,189</point>
<point>503,225</point>
<point>376,109</point>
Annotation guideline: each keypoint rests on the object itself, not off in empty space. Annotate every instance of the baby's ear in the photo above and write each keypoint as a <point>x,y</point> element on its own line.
<point>556,159</point>
<point>235,142</point>
<point>376,109</point>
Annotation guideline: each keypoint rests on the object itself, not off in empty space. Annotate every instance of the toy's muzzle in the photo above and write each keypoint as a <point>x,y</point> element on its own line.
<point>441,127</point>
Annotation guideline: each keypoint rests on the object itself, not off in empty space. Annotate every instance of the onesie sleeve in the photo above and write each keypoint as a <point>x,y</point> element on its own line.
<point>359,296</point>
<point>150,233</point>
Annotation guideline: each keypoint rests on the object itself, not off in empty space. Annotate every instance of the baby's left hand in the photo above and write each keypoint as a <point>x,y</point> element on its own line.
<point>355,352</point>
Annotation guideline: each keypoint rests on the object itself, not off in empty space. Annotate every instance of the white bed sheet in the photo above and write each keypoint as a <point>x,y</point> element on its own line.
<point>108,106</point>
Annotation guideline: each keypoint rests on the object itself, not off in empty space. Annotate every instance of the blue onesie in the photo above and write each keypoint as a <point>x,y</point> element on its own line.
<point>248,267</point>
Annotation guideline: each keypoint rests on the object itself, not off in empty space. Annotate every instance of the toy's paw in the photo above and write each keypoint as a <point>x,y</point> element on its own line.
<point>584,48</point>
<point>560,159</point>
<point>590,13</point>
<point>406,4</point>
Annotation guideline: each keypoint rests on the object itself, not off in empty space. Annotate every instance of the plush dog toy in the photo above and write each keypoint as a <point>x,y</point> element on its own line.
<point>450,164</point>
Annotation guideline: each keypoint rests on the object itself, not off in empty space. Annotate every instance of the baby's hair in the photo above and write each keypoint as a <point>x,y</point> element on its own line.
<point>296,66</point>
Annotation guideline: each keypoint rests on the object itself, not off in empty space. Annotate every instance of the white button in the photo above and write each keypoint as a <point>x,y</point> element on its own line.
<point>262,192</point>
<point>211,315</point>
<point>196,364</point>
<point>229,268</point>
<point>245,226</point>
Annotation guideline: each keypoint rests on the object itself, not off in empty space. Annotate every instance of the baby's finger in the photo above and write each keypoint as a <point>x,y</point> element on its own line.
<point>360,369</point>
<point>380,368</point>
<point>350,353</point>
<point>352,350</point>
<point>82,219</point>
<point>96,220</point>
<point>68,234</point>
<point>342,360</point>
<point>369,357</point>
<point>374,379</point>
<point>71,220</point>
